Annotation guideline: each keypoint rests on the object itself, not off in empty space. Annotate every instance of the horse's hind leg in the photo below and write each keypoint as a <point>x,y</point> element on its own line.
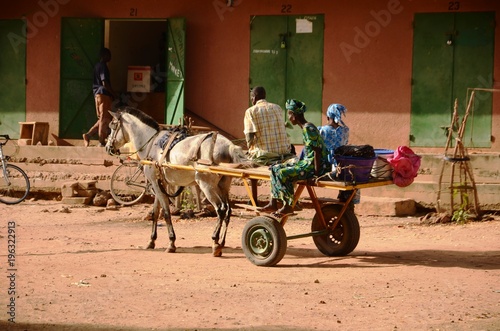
<point>216,246</point>
<point>154,231</point>
<point>219,234</point>
<point>217,192</point>
<point>224,187</point>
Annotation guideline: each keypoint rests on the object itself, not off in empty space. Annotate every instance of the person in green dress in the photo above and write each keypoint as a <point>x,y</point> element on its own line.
<point>313,163</point>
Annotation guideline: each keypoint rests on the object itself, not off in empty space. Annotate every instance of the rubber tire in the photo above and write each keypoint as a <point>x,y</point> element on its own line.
<point>126,170</point>
<point>344,238</point>
<point>23,187</point>
<point>264,241</point>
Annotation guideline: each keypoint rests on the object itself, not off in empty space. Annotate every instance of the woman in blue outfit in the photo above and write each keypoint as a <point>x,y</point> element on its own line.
<point>313,163</point>
<point>335,133</point>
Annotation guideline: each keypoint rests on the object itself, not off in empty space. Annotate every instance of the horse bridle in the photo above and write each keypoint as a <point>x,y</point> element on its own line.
<point>115,125</point>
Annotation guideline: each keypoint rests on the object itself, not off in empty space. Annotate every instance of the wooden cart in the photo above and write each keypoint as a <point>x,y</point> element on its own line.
<point>335,227</point>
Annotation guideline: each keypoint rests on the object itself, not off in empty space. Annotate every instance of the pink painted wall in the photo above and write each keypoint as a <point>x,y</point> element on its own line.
<point>370,76</point>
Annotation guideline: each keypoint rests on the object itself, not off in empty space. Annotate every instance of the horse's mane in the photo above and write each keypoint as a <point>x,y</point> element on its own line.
<point>143,117</point>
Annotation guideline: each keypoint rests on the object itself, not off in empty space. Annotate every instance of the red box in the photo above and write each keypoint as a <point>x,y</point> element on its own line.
<point>139,79</point>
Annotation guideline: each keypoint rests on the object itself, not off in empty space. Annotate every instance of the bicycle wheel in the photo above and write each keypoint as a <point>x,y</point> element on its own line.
<point>14,185</point>
<point>128,184</point>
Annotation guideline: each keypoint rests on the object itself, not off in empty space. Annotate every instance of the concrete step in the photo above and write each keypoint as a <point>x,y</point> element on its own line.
<point>383,206</point>
<point>368,206</point>
<point>50,166</point>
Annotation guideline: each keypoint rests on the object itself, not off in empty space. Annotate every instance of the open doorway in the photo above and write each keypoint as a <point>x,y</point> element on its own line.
<point>138,47</point>
<point>158,44</point>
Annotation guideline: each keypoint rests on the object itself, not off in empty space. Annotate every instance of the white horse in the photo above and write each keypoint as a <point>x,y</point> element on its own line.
<point>130,125</point>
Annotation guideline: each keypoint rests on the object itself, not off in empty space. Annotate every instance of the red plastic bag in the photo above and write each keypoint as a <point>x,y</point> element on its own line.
<point>405,164</point>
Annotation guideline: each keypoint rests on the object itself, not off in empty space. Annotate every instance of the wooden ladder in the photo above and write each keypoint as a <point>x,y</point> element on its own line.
<point>462,185</point>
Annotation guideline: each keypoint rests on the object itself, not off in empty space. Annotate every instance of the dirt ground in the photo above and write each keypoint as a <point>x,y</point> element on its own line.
<point>85,268</point>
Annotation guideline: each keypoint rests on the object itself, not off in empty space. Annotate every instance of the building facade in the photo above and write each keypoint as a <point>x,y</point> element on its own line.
<point>397,65</point>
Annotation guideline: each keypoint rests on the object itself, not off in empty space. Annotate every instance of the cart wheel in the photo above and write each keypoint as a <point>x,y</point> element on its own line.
<point>264,241</point>
<point>339,241</point>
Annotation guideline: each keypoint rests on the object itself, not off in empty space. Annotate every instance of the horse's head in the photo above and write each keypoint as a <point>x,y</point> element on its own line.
<point>130,125</point>
<point>116,138</point>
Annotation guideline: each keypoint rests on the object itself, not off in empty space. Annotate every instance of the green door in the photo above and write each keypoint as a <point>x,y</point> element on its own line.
<point>174,93</point>
<point>81,41</point>
<point>286,57</point>
<point>452,52</point>
<point>13,76</point>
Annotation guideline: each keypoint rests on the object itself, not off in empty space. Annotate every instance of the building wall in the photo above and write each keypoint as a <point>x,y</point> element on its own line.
<point>367,56</point>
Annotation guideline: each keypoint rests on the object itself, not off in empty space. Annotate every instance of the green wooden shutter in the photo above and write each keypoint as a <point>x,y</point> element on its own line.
<point>267,58</point>
<point>174,94</point>
<point>473,68</point>
<point>443,71</point>
<point>432,79</point>
<point>286,57</point>
<point>81,41</point>
<point>305,67</point>
<point>13,76</point>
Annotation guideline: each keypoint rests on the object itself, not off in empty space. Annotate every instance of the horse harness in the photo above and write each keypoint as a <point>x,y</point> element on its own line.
<point>172,137</point>
<point>167,142</point>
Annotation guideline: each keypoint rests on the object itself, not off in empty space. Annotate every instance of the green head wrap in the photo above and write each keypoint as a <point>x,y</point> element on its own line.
<point>295,106</point>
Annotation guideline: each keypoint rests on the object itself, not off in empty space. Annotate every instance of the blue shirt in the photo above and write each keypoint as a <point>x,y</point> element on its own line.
<point>333,138</point>
<point>101,73</point>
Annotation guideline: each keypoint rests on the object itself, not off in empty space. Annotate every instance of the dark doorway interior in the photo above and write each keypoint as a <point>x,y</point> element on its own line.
<point>139,43</point>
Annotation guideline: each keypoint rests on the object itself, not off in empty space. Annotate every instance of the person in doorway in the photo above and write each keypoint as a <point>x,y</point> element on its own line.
<point>103,96</point>
<point>314,162</point>
<point>265,130</point>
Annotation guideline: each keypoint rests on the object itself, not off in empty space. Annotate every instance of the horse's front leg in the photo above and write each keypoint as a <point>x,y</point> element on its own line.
<point>161,200</point>
<point>155,212</point>
<point>171,233</point>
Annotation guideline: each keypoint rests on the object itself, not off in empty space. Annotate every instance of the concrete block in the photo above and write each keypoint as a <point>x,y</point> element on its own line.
<point>385,206</point>
<point>86,193</point>
<point>87,185</point>
<point>86,189</point>
<point>68,189</point>
<point>76,200</point>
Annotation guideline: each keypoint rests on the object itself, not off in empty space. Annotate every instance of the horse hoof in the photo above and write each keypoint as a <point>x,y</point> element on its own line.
<point>170,250</point>
<point>151,246</point>
<point>217,252</point>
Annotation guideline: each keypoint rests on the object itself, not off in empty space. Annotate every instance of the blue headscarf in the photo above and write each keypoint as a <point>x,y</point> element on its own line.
<point>296,106</point>
<point>335,112</point>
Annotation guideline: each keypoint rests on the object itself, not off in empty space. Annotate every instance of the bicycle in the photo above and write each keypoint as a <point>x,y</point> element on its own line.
<point>14,183</point>
<point>128,183</point>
